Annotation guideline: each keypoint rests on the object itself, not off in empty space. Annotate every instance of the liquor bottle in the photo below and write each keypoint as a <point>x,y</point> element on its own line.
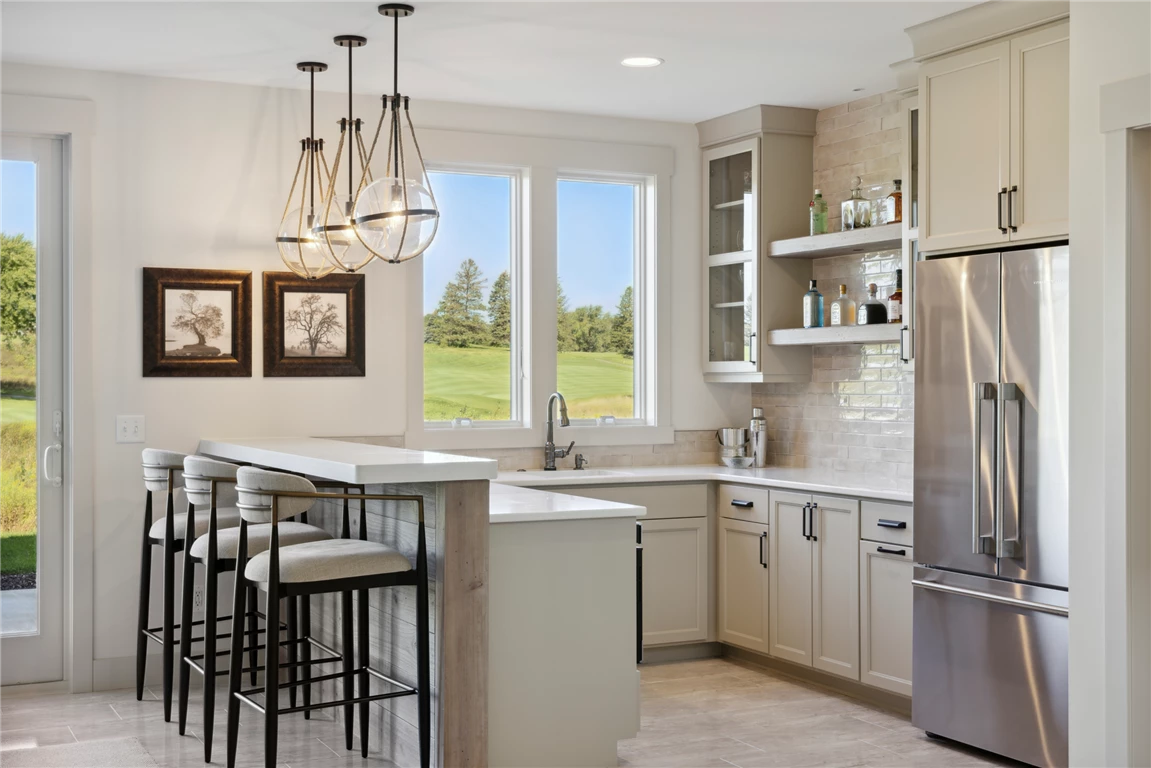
<point>856,212</point>
<point>895,300</point>
<point>872,311</point>
<point>842,309</point>
<point>894,204</point>
<point>818,214</point>
<point>813,308</point>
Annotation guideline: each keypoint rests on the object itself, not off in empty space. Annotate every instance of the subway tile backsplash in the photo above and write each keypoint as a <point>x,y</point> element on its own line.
<point>855,415</point>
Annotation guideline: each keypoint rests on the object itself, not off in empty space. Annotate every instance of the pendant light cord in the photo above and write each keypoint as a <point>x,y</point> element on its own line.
<point>396,88</point>
<point>351,125</point>
<point>312,146</point>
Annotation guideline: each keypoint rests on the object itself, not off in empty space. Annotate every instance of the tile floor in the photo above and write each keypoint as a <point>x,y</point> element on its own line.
<point>700,714</point>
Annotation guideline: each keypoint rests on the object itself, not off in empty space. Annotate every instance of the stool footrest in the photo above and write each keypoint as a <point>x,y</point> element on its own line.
<point>246,696</point>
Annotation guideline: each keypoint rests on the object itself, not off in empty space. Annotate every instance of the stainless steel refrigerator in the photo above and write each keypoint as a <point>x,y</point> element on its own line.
<point>991,541</point>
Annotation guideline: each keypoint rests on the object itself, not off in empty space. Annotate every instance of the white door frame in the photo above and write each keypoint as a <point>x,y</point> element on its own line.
<point>72,120</point>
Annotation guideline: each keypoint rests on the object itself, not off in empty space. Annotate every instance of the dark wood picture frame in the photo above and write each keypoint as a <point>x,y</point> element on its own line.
<point>276,360</point>
<point>157,361</point>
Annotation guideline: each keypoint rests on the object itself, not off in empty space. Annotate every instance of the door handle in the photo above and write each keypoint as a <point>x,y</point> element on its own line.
<point>981,392</point>
<point>1015,602</point>
<point>891,523</point>
<point>999,211</point>
<point>751,348</point>
<point>1005,547</point>
<point>741,503</point>
<point>1011,209</point>
<point>886,551</point>
<point>762,556</point>
<point>811,524</point>
<point>56,480</point>
<point>806,508</point>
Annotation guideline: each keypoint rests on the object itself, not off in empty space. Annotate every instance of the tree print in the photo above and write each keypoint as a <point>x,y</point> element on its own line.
<point>206,321</point>
<point>317,320</point>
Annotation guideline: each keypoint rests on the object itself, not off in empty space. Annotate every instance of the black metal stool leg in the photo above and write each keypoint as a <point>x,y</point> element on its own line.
<point>362,647</point>
<point>236,662</point>
<point>145,596</point>
<point>293,654</point>
<point>210,612</point>
<point>306,650</point>
<point>187,586</point>
<point>169,633</point>
<point>424,668</point>
<point>254,630</point>
<point>272,676</point>
<point>347,651</point>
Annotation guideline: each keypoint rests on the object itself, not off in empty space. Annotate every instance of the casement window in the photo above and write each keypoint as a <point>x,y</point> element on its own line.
<point>473,277</point>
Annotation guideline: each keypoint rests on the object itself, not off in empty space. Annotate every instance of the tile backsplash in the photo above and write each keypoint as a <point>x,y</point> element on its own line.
<point>855,415</point>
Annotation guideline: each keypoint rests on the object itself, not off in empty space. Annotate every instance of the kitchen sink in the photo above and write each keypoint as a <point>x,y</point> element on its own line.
<point>571,473</point>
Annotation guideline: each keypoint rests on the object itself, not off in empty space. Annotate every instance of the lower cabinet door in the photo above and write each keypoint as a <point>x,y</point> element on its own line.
<point>675,580</point>
<point>789,575</point>
<point>885,598</point>
<point>835,585</point>
<point>743,584</point>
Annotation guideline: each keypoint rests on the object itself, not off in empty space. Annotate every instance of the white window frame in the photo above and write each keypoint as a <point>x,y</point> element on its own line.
<point>643,287</point>
<point>519,268</point>
<point>541,161</point>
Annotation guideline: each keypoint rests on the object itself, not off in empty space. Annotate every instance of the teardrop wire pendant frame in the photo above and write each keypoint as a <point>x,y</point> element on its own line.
<point>336,231</point>
<point>298,246</point>
<point>385,209</point>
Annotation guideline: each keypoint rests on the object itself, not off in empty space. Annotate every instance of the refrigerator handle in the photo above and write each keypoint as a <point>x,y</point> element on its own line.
<point>981,392</point>
<point>1004,547</point>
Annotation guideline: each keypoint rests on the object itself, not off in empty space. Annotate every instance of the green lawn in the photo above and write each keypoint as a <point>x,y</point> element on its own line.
<point>475,382</point>
<point>17,466</point>
<point>17,553</point>
<point>14,411</point>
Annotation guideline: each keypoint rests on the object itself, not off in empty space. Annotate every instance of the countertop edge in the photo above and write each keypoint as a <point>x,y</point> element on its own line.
<point>543,506</point>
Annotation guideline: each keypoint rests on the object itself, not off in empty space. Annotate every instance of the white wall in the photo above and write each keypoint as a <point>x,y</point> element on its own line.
<point>194,174</point>
<point>1109,42</point>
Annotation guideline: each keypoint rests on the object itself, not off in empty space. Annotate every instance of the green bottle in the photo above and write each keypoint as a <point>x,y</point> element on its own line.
<point>818,214</point>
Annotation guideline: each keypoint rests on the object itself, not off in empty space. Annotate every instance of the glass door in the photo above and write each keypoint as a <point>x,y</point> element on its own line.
<point>32,489</point>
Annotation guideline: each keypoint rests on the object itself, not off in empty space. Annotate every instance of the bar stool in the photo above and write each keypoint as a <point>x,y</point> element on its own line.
<point>213,483</point>
<point>322,567</point>
<point>163,472</point>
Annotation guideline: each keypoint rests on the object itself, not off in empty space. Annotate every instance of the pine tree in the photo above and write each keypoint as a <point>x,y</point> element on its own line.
<point>590,328</point>
<point>460,314</point>
<point>564,340</point>
<point>500,311</point>
<point>623,326</point>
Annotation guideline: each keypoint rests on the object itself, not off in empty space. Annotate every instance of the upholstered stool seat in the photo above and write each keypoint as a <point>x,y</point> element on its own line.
<point>326,560</point>
<point>228,541</point>
<point>225,518</point>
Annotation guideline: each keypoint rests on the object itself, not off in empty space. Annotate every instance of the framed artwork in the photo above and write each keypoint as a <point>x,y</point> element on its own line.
<point>313,327</point>
<point>197,322</point>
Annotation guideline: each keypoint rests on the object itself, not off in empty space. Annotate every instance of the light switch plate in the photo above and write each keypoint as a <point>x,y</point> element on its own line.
<point>129,429</point>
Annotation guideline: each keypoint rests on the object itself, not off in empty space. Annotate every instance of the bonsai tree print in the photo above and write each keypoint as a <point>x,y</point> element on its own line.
<point>319,322</point>
<point>206,321</point>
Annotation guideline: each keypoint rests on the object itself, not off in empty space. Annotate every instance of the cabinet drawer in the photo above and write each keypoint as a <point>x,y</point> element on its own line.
<point>741,502</point>
<point>890,523</point>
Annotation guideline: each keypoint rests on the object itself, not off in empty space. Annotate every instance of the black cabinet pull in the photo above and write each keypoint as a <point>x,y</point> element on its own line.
<point>741,503</point>
<point>762,539</point>
<point>891,523</point>
<point>811,523</point>
<point>806,509</point>
<point>1011,209</point>
<point>999,206</point>
<point>886,551</point>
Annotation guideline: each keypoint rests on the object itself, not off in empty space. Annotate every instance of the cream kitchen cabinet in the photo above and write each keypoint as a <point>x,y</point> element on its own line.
<point>813,562</point>
<point>993,145</point>
<point>885,597</point>
<point>743,584</point>
<point>676,580</point>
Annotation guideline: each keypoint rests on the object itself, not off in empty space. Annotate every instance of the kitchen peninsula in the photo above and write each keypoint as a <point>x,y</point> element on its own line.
<point>499,620</point>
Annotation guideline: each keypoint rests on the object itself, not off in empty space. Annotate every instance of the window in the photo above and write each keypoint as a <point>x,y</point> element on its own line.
<point>472,279</point>
<point>600,336</point>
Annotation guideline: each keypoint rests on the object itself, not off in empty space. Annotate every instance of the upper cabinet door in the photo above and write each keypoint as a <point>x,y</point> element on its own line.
<point>731,195</point>
<point>1039,123</point>
<point>964,147</point>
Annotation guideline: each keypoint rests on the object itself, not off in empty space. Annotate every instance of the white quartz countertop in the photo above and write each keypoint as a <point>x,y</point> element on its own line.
<point>510,504</point>
<point>785,478</point>
<point>349,462</point>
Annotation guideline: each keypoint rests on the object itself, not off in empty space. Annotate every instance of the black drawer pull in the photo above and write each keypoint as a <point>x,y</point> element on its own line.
<point>891,523</point>
<point>741,503</point>
<point>886,551</point>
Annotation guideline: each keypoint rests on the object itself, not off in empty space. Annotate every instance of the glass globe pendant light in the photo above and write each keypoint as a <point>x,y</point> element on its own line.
<point>335,230</point>
<point>299,247</point>
<point>396,216</point>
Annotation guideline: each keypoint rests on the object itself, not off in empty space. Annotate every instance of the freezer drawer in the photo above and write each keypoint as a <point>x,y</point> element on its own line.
<point>990,665</point>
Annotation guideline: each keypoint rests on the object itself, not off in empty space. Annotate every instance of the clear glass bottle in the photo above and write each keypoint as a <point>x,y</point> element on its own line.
<point>818,214</point>
<point>856,212</point>
<point>873,311</point>
<point>842,309</point>
<point>893,205</point>
<point>895,300</point>
<point>813,308</point>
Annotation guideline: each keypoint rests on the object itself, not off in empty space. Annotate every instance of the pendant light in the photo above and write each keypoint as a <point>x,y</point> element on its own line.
<point>299,247</point>
<point>335,229</point>
<point>396,216</point>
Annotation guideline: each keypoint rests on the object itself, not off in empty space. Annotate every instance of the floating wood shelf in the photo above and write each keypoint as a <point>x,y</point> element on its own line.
<point>840,334</point>
<point>864,240</point>
<point>725,206</point>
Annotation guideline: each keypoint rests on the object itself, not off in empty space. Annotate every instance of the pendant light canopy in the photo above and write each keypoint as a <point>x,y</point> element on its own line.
<point>299,247</point>
<point>335,229</point>
<point>396,216</point>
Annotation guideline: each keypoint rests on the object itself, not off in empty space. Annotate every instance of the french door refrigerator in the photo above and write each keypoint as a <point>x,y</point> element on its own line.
<point>990,531</point>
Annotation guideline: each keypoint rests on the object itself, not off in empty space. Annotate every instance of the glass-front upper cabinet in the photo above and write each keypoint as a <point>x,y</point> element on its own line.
<point>911,255</point>
<point>731,301</point>
<point>731,193</point>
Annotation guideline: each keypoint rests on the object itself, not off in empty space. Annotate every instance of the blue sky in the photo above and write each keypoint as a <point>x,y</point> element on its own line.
<point>594,242</point>
<point>18,198</point>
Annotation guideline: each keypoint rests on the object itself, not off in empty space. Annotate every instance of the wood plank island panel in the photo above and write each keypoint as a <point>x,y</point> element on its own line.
<point>457,540</point>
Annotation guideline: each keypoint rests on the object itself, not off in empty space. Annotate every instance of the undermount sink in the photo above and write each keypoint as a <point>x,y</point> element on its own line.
<point>572,473</point>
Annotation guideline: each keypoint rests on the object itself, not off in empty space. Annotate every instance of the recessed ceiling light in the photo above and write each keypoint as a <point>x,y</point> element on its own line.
<point>641,61</point>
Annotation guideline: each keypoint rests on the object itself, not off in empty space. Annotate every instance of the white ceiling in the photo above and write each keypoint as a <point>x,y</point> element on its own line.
<point>720,56</point>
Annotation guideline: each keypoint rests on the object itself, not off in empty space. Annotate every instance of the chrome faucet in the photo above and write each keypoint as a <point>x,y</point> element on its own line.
<point>551,453</point>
